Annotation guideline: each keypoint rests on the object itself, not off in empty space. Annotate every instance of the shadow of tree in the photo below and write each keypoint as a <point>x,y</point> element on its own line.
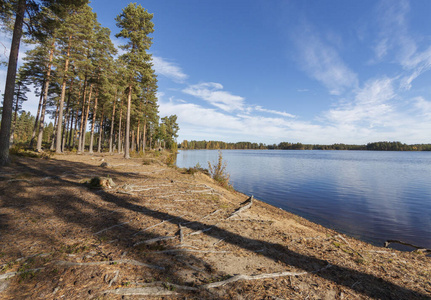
<point>65,203</point>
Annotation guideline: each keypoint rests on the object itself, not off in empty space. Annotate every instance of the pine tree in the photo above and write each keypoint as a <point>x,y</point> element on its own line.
<point>37,26</point>
<point>136,25</point>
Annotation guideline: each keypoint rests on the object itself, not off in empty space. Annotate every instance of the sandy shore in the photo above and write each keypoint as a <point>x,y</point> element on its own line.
<point>156,232</point>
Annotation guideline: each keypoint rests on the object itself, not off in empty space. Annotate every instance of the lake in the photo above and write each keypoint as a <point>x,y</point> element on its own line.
<point>370,195</point>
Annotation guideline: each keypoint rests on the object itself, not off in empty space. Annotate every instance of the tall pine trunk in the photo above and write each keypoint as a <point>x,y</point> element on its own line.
<point>53,137</point>
<point>45,96</point>
<point>120,140</point>
<point>63,94</point>
<point>33,135</point>
<point>112,125</point>
<point>15,114</point>
<point>99,144</point>
<point>92,125</point>
<point>10,84</point>
<point>82,115</point>
<point>144,139</point>
<point>127,142</point>
<point>84,125</point>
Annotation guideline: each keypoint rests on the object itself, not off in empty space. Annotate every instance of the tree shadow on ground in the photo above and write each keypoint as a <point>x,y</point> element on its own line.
<point>86,216</point>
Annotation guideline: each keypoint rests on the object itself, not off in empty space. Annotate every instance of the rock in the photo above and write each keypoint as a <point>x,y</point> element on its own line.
<point>105,165</point>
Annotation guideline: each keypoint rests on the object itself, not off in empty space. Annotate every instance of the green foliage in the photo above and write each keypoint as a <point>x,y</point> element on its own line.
<point>218,172</point>
<point>378,146</point>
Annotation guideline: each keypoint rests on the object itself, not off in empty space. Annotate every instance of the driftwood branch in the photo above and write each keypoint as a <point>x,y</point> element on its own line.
<point>155,225</point>
<point>119,261</point>
<point>422,249</point>
<point>181,234</point>
<point>12,274</point>
<point>202,231</point>
<point>155,240</point>
<point>152,289</point>
<point>256,277</point>
<point>106,229</point>
<point>188,250</point>
<point>248,203</point>
<point>113,280</point>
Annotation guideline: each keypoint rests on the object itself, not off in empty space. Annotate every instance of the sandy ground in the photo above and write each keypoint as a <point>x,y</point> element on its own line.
<point>156,232</point>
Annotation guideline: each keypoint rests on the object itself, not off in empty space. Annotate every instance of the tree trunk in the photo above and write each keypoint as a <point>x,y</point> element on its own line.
<point>138,136</point>
<point>45,96</point>
<point>82,116</point>
<point>84,125</point>
<point>145,136</point>
<point>75,135</point>
<point>53,137</point>
<point>69,139</point>
<point>14,117</point>
<point>10,84</point>
<point>92,125</point>
<point>66,118</point>
<point>99,145</point>
<point>120,142</point>
<point>112,124</point>
<point>127,142</point>
<point>33,135</point>
<point>151,140</point>
<point>63,94</point>
<point>133,141</point>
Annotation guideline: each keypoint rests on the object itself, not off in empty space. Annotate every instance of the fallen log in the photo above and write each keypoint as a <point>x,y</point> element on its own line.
<point>422,249</point>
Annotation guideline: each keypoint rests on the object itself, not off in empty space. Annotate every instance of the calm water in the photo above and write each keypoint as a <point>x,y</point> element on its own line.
<point>374,196</point>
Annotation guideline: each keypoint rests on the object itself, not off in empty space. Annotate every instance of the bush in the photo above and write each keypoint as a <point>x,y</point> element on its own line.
<point>218,172</point>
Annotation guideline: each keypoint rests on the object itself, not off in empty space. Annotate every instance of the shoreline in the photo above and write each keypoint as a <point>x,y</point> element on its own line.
<point>173,234</point>
<point>357,204</point>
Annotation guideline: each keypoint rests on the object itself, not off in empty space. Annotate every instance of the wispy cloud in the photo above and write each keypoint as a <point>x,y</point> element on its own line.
<point>214,94</point>
<point>321,60</point>
<point>168,69</point>
<point>396,43</point>
<point>271,111</point>
<point>370,104</point>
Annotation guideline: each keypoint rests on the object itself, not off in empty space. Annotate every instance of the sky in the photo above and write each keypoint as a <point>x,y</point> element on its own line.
<point>316,72</point>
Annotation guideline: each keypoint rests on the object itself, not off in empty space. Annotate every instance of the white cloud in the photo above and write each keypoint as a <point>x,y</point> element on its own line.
<point>322,61</point>
<point>423,106</point>
<point>370,105</point>
<point>397,43</point>
<point>213,93</point>
<point>168,69</point>
<point>281,113</point>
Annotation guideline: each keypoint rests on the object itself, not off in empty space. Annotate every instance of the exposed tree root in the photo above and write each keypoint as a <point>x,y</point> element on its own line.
<point>155,240</point>
<point>106,229</point>
<point>119,261</point>
<point>188,250</point>
<point>155,225</point>
<point>256,277</point>
<point>248,203</point>
<point>181,234</point>
<point>12,274</point>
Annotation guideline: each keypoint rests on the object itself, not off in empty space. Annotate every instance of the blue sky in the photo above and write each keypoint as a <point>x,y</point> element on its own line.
<point>299,71</point>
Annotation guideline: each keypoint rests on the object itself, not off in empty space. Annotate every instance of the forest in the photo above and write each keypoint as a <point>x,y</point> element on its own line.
<point>98,100</point>
<point>378,146</point>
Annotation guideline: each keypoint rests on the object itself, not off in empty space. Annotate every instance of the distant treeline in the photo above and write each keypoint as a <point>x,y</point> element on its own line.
<point>378,146</point>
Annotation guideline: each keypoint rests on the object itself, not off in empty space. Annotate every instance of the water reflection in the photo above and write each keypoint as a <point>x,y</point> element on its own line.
<point>374,196</point>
